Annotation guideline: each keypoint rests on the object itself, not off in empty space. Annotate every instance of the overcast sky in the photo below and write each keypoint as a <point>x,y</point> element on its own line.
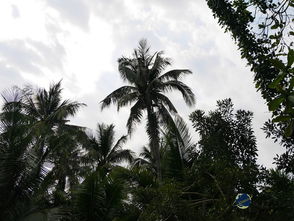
<point>79,41</point>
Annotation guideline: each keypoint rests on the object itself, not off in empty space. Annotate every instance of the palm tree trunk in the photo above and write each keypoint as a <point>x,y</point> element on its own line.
<point>153,132</point>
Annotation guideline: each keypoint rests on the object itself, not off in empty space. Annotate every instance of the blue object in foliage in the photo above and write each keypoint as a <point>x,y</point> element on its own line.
<point>242,201</point>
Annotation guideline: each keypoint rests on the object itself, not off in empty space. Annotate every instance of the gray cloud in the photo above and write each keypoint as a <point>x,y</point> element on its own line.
<point>30,56</point>
<point>74,11</point>
<point>111,11</point>
<point>17,54</point>
<point>14,11</point>
<point>9,76</point>
<point>51,55</point>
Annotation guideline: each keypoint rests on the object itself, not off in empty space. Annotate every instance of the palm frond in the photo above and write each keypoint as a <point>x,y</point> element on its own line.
<point>145,160</point>
<point>183,131</point>
<point>184,138</point>
<point>105,138</point>
<point>135,115</point>
<point>121,155</point>
<point>48,105</point>
<point>174,74</point>
<point>143,48</point>
<point>12,95</point>
<point>187,93</point>
<point>65,109</point>
<point>159,64</point>
<point>142,54</point>
<point>121,141</point>
<point>139,162</point>
<point>127,99</point>
<point>127,71</point>
<point>150,59</point>
<point>146,154</point>
<point>100,150</point>
<point>169,124</point>
<point>166,101</point>
<point>31,108</point>
<point>116,95</point>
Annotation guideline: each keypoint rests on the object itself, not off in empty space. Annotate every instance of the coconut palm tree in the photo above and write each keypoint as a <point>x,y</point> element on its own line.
<point>48,114</point>
<point>32,125</point>
<point>145,90</point>
<point>101,148</point>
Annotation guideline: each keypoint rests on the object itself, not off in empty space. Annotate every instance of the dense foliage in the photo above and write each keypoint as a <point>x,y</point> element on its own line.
<point>53,170</point>
<point>263,31</point>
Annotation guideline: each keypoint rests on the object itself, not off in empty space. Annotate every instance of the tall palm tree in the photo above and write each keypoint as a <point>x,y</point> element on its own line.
<point>48,114</point>
<point>101,148</point>
<point>145,89</point>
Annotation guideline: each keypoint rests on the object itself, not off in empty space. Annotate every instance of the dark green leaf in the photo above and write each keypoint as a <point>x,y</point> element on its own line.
<point>292,83</point>
<point>261,26</point>
<point>282,119</point>
<point>291,99</point>
<point>277,81</point>
<point>290,57</point>
<point>289,129</point>
<point>278,64</point>
<point>274,104</point>
<point>257,85</point>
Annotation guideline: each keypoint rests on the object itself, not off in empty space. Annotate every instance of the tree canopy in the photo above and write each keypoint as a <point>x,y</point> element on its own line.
<point>51,169</point>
